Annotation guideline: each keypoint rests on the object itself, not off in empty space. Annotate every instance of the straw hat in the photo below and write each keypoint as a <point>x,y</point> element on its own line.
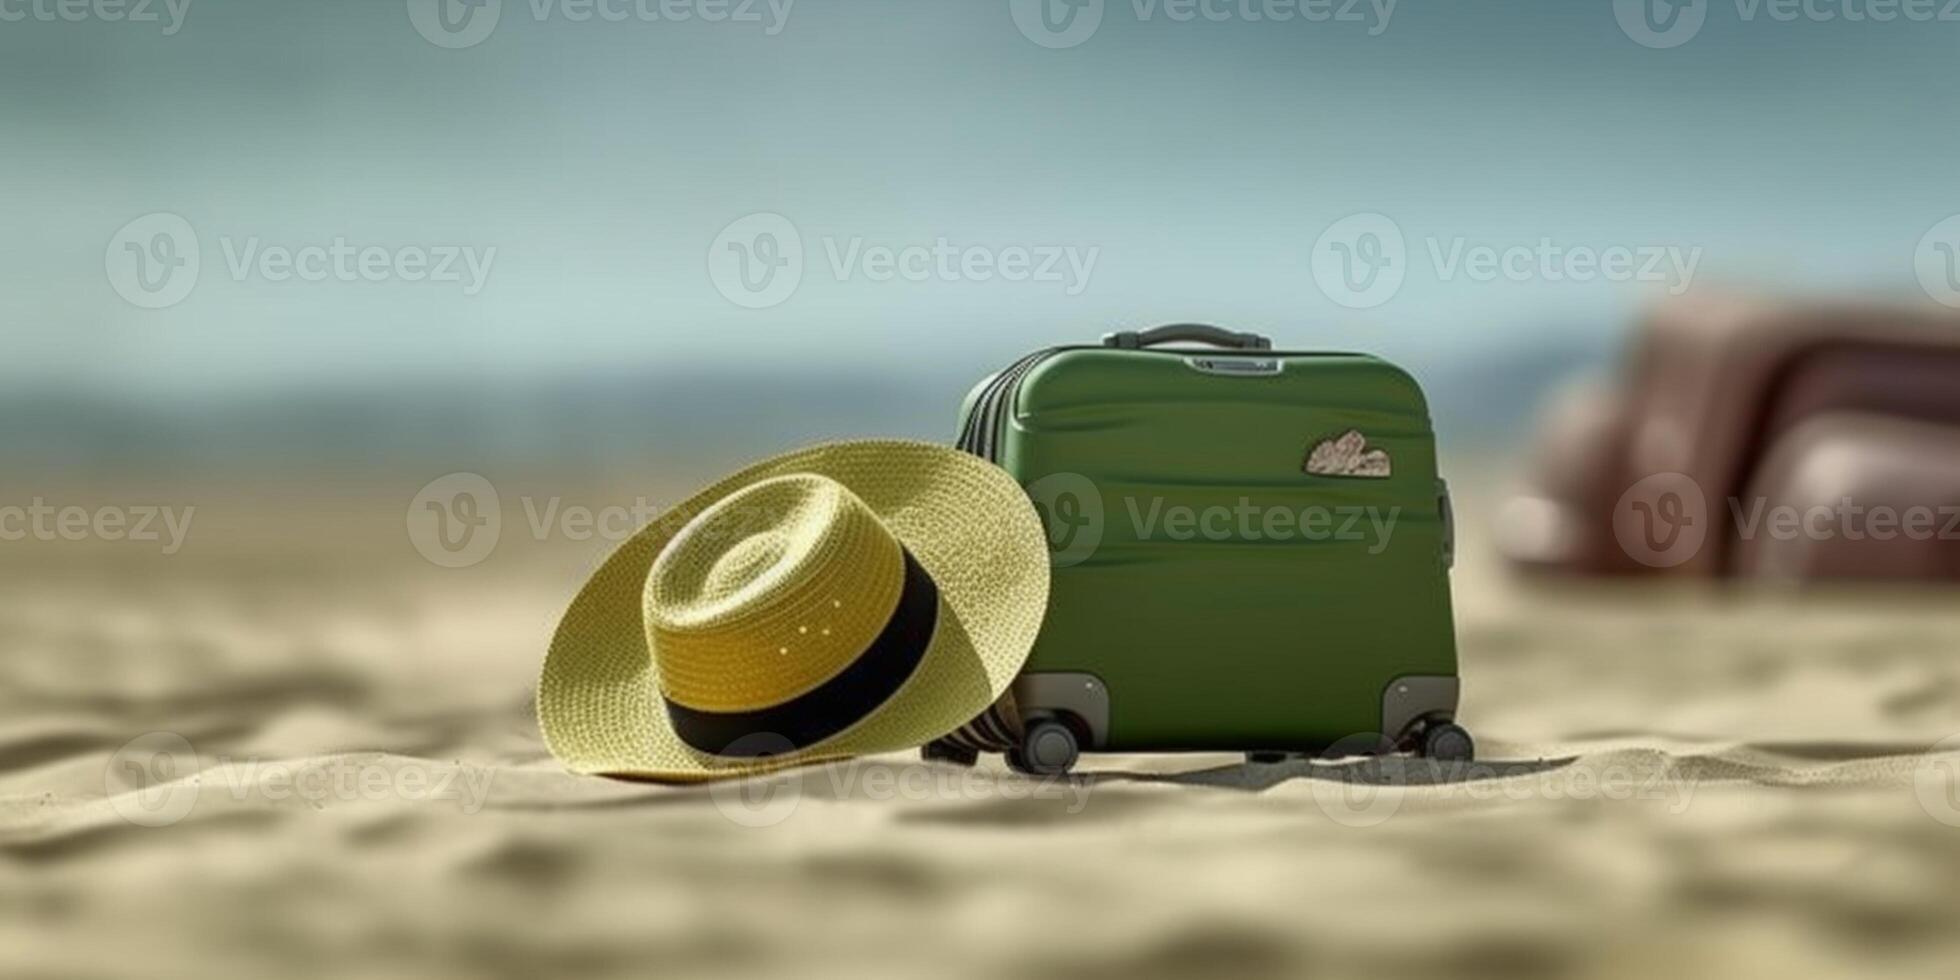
<point>845,599</point>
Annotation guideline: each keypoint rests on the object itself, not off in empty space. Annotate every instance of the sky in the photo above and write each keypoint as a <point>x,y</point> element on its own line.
<point>962,185</point>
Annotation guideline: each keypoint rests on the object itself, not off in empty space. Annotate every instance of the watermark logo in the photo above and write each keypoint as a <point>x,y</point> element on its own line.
<point>169,13</point>
<point>1370,791</point>
<point>1152,520</point>
<point>152,779</point>
<point>455,520</point>
<point>1936,781</point>
<point>342,261</point>
<point>1346,795</point>
<point>1937,262</point>
<point>143,523</point>
<point>153,261</point>
<point>1662,520</point>
<point>1844,519</point>
<point>763,800</point>
<point>1067,23</point>
<point>156,779</point>
<point>1671,23</point>
<point>1071,510</point>
<point>1660,24</point>
<point>757,260</point>
<point>1057,23</point>
<point>467,23</point>
<point>768,799</point>
<point>1669,266</point>
<point>1360,260</point>
<point>455,23</point>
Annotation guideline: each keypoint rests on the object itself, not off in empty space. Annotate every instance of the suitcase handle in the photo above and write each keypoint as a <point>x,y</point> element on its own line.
<point>1201,333</point>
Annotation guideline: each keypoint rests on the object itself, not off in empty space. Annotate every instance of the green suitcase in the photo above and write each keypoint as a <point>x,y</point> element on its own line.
<point>1250,550</point>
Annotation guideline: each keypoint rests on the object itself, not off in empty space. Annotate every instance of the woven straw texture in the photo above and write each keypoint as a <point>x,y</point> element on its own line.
<point>965,520</point>
<point>769,593</point>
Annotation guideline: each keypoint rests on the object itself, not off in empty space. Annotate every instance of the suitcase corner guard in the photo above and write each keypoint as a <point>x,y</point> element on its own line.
<point>1083,695</point>
<point>1414,698</point>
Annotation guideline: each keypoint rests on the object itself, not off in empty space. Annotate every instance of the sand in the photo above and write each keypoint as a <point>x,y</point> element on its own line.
<point>348,782</point>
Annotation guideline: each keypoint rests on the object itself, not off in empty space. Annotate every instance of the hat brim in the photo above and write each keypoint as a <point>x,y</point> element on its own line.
<point>965,520</point>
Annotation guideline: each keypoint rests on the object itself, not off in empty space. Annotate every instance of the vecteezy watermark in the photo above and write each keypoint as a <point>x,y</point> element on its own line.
<point>156,779</point>
<point>142,523</point>
<point>169,13</point>
<point>152,780</point>
<point>1671,23</point>
<point>1369,791</point>
<point>1067,23</point>
<point>155,261</point>
<point>456,520</point>
<point>1248,521</point>
<point>1664,520</point>
<point>1936,781</point>
<point>1660,23</point>
<point>771,798</point>
<point>1073,512</point>
<point>338,260</point>
<point>466,23</point>
<point>1362,260</point>
<point>1937,261</point>
<point>757,261</point>
<point>1845,518</point>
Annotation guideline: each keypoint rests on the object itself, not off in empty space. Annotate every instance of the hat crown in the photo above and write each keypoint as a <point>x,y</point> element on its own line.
<point>768,593</point>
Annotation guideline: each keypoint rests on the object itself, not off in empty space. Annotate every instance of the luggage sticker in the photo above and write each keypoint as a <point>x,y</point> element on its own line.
<point>1348,455</point>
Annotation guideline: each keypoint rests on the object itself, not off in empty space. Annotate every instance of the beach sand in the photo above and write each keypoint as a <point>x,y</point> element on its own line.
<point>339,761</point>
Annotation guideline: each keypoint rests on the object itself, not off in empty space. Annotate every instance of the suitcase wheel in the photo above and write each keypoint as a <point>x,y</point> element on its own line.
<point>1448,742</point>
<point>940,750</point>
<point>1049,748</point>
